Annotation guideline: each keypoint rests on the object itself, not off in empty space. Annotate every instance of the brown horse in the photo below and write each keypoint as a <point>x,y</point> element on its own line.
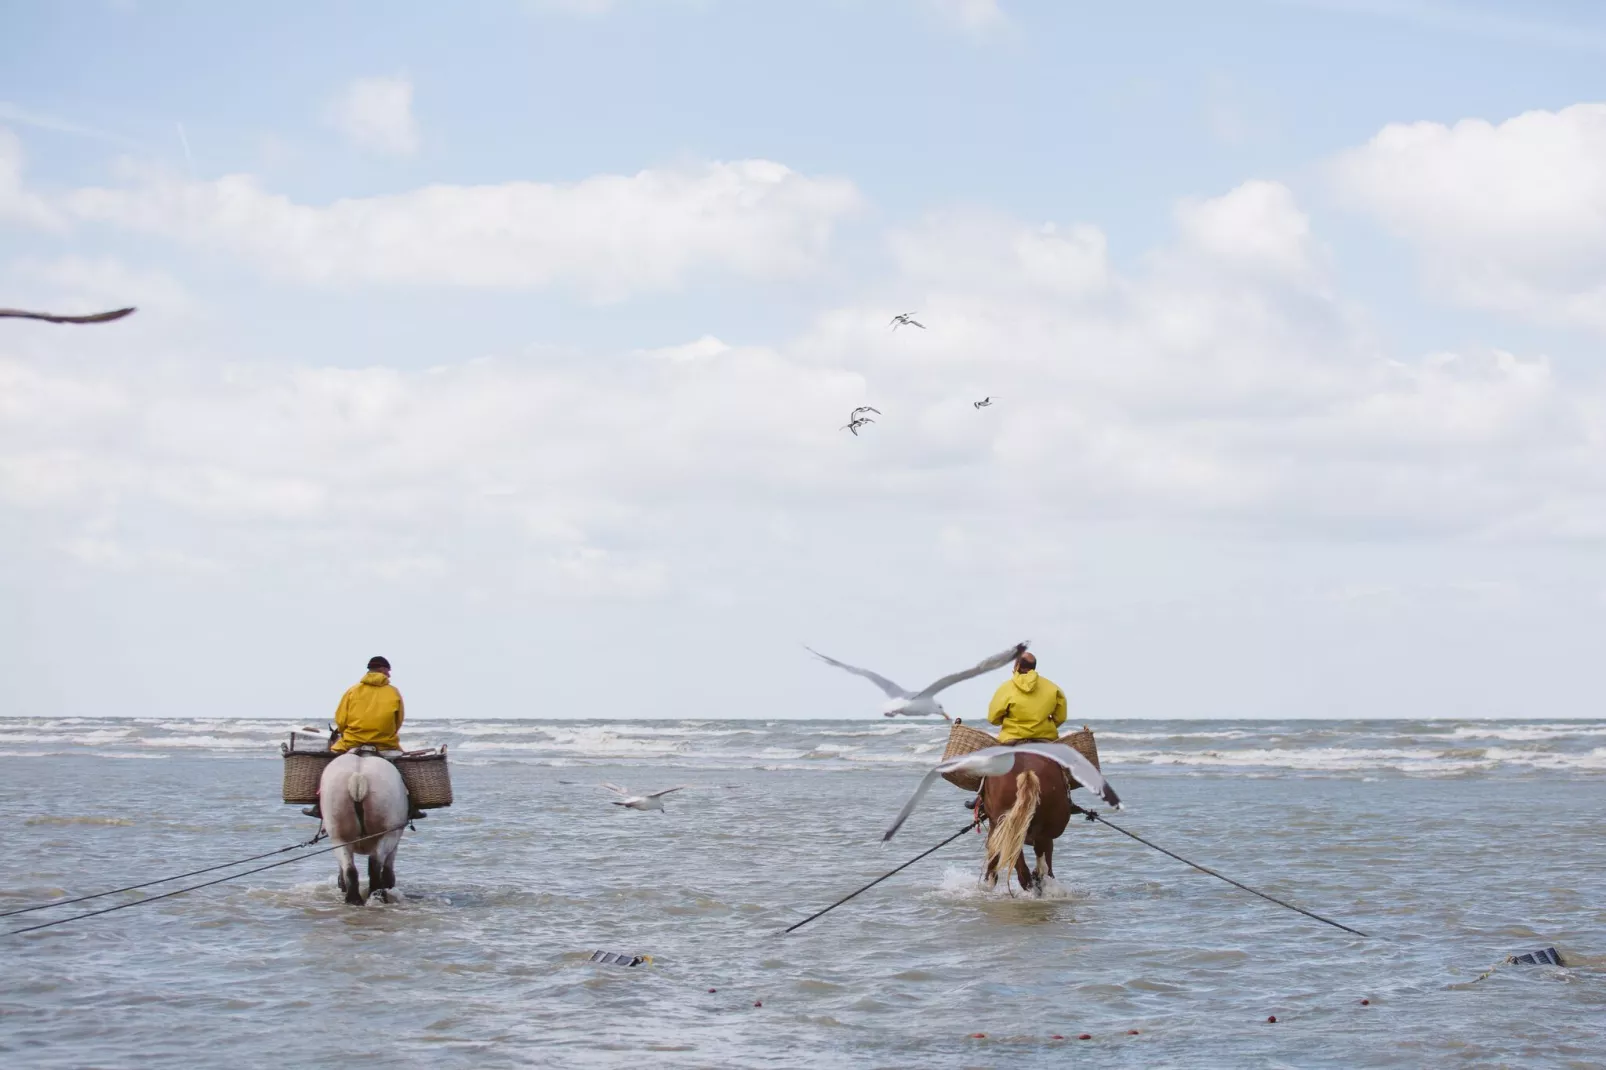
<point>1030,804</point>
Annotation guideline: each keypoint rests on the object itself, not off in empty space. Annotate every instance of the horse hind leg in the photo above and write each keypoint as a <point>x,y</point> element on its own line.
<point>1023,874</point>
<point>376,878</point>
<point>346,877</point>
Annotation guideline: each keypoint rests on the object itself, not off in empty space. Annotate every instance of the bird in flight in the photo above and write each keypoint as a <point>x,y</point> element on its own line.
<point>857,419</point>
<point>923,702</point>
<point>983,403</point>
<point>906,319</point>
<point>999,761</point>
<point>98,317</point>
<point>651,801</point>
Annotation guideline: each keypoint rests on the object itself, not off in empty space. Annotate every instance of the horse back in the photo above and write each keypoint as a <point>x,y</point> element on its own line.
<point>1053,809</point>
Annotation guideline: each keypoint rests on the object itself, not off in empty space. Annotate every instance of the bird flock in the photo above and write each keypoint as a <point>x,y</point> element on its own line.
<point>857,419</point>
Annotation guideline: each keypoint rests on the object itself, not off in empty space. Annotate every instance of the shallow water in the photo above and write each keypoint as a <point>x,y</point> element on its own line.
<point>1453,843</point>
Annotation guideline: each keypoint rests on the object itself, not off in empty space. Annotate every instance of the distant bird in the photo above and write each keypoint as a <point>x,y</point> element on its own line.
<point>906,319</point>
<point>98,317</point>
<point>651,801</point>
<point>856,420</point>
<point>924,702</point>
<point>856,423</point>
<point>983,403</point>
<point>998,761</point>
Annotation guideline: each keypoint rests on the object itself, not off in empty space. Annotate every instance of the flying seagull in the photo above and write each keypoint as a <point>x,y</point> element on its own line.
<point>999,761</point>
<point>924,702</point>
<point>983,403</point>
<point>906,319</point>
<point>651,801</point>
<point>856,419</point>
<point>855,423</point>
<point>98,317</point>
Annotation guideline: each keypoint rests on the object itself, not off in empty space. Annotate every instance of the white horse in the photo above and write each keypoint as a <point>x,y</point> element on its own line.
<point>364,808</point>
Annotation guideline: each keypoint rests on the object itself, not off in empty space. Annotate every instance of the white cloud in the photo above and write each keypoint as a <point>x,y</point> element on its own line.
<point>1222,385</point>
<point>608,236</point>
<point>377,114</point>
<point>1509,217</point>
<point>16,203</point>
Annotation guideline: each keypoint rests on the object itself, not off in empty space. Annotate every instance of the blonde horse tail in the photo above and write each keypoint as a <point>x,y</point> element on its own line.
<point>1008,836</point>
<point>357,788</point>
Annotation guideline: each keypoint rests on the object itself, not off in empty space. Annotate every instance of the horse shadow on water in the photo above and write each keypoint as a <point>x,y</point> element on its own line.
<point>364,811</point>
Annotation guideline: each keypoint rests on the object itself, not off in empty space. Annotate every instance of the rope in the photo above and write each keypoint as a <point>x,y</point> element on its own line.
<point>164,880</point>
<point>1092,816</point>
<point>881,878</point>
<point>197,887</point>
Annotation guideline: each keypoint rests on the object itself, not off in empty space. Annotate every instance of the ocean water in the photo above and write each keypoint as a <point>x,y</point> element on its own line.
<point>1452,843</point>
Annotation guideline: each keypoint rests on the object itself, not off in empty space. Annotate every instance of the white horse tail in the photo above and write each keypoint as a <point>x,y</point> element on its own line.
<point>1008,836</point>
<point>357,788</point>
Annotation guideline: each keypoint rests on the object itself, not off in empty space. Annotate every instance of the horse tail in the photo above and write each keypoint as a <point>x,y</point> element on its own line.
<point>1008,836</point>
<point>357,788</point>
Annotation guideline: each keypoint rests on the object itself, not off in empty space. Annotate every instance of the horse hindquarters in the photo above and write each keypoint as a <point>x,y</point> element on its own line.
<point>1007,839</point>
<point>364,807</point>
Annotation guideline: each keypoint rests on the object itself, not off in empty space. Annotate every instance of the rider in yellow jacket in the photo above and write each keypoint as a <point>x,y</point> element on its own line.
<point>370,714</point>
<point>1027,706</point>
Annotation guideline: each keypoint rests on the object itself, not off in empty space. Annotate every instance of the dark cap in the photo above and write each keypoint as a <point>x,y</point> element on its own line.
<point>378,664</point>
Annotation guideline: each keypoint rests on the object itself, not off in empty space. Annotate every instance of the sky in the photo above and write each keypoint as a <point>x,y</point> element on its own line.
<point>514,341</point>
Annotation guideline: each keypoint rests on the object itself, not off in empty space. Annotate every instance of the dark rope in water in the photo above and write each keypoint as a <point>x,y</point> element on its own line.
<point>879,879</point>
<point>1205,869</point>
<point>196,887</point>
<point>164,880</point>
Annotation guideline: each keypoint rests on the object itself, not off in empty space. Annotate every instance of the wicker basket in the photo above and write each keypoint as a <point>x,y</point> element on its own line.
<point>427,779</point>
<point>962,739</point>
<point>302,771</point>
<point>424,773</point>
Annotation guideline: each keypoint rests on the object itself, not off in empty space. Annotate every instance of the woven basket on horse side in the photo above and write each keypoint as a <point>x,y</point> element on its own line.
<point>425,774</point>
<point>963,739</point>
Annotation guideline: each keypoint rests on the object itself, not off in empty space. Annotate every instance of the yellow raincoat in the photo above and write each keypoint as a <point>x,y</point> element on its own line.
<point>370,712</point>
<point>1028,706</point>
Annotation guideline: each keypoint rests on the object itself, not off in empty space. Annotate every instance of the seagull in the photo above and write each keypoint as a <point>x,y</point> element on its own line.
<point>998,761</point>
<point>651,801</point>
<point>983,403</point>
<point>856,423</point>
<point>924,702</point>
<point>98,317</point>
<point>906,319</point>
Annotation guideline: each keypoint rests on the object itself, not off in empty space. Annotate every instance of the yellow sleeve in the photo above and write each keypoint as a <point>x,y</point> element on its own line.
<point>1059,706</point>
<point>341,711</point>
<point>401,711</point>
<point>997,708</point>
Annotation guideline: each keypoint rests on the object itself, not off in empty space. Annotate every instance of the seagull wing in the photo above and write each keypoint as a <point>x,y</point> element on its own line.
<point>1079,767</point>
<point>997,661</point>
<point>891,689</point>
<point>666,791</point>
<point>872,408</point>
<point>917,323</point>
<point>615,788</point>
<point>98,317</point>
<point>909,807</point>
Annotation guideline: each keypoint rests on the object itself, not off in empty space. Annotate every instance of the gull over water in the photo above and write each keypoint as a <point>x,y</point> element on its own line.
<point>923,703</point>
<point>653,800</point>
<point>999,761</point>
